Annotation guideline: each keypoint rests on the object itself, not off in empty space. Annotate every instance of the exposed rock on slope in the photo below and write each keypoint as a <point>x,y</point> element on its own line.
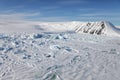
<point>99,28</point>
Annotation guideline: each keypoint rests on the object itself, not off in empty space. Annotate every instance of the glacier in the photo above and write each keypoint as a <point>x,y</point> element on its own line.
<point>59,51</point>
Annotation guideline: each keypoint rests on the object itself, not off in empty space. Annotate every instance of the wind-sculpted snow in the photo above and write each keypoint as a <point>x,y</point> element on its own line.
<point>59,56</point>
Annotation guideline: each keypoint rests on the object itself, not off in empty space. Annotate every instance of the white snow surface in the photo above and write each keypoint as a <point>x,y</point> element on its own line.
<point>54,51</point>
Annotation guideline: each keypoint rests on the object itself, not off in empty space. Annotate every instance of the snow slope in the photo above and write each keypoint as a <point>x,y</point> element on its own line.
<point>47,52</point>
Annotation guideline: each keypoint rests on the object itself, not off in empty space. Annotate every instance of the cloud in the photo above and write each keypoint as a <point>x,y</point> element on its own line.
<point>100,14</point>
<point>50,7</point>
<point>7,11</point>
<point>13,8</point>
<point>71,2</point>
<point>86,9</point>
<point>53,19</point>
<point>17,16</point>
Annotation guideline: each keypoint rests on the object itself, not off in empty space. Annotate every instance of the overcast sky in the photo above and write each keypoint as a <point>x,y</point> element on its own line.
<point>61,10</point>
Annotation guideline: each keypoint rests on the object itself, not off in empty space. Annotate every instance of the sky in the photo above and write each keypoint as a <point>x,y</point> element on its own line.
<point>61,10</point>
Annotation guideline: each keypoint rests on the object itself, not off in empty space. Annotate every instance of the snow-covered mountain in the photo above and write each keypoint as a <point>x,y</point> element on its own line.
<point>95,28</point>
<point>98,28</point>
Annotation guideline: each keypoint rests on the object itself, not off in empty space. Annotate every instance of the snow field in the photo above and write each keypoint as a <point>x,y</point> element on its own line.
<point>59,56</point>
